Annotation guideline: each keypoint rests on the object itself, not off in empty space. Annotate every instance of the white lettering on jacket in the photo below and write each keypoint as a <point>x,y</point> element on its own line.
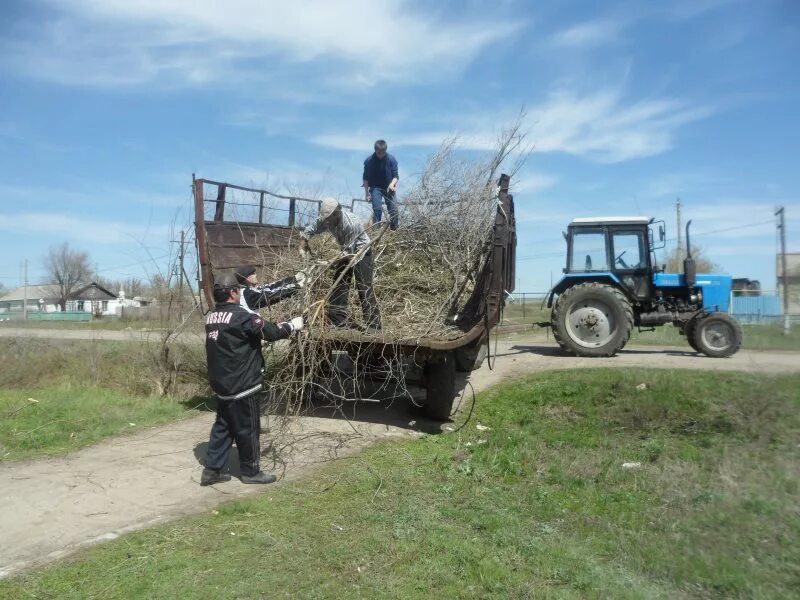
<point>218,317</point>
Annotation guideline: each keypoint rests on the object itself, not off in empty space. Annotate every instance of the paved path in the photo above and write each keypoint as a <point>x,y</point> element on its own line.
<point>53,506</point>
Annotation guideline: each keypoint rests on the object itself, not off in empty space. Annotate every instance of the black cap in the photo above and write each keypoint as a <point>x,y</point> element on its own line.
<point>226,281</point>
<point>243,272</point>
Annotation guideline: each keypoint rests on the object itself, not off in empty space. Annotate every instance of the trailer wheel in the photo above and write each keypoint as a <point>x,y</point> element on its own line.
<point>440,384</point>
<point>471,357</point>
<point>718,335</point>
<point>592,319</point>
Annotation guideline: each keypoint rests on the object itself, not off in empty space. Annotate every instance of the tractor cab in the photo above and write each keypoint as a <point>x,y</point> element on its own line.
<point>617,248</point>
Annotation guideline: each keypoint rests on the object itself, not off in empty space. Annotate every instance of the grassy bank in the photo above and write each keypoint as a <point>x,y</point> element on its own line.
<point>59,395</point>
<point>56,420</point>
<point>540,504</point>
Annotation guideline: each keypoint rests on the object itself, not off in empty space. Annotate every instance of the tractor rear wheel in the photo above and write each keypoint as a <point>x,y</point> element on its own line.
<point>718,335</point>
<point>592,319</point>
<point>440,385</point>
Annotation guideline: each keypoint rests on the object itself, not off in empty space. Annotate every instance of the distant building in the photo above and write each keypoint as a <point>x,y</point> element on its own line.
<point>41,298</point>
<point>746,287</point>
<point>91,298</point>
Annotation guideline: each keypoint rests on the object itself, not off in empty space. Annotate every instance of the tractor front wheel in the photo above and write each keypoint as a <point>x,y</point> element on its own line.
<point>718,335</point>
<point>592,319</point>
<point>689,330</point>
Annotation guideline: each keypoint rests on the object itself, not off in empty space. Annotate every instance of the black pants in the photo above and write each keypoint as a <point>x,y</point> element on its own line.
<point>337,307</point>
<point>239,421</point>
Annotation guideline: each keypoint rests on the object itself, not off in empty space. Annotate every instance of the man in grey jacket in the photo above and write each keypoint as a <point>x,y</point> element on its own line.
<point>350,235</point>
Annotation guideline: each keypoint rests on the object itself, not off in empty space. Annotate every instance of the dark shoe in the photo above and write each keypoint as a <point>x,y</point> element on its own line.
<point>259,477</point>
<point>212,476</point>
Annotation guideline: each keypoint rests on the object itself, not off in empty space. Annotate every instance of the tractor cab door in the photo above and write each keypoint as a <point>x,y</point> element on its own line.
<point>630,257</point>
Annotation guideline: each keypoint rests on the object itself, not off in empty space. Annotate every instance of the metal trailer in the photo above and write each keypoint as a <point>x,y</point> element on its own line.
<point>224,243</point>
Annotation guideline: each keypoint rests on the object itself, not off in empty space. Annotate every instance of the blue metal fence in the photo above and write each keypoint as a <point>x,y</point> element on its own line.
<point>757,309</point>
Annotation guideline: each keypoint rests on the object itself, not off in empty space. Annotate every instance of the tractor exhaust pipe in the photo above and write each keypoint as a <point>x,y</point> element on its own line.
<point>689,267</point>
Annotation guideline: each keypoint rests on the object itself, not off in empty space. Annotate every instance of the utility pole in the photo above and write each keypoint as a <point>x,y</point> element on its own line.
<point>780,213</point>
<point>181,271</point>
<point>680,239</point>
<point>25,293</point>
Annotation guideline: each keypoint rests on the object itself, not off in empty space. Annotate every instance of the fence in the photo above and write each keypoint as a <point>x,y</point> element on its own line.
<point>35,315</point>
<point>765,308</point>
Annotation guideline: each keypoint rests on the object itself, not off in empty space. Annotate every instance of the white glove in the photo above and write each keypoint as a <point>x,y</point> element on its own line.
<point>300,278</point>
<point>305,254</point>
<point>297,324</point>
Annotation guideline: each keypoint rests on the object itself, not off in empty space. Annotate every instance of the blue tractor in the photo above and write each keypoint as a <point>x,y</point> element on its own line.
<point>613,284</point>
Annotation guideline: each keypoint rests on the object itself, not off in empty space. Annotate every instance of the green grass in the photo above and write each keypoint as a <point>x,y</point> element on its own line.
<point>56,420</point>
<point>538,506</point>
<point>89,390</point>
<point>104,324</point>
<point>136,368</point>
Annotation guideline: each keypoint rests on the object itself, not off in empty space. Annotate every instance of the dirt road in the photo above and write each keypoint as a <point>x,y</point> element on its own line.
<point>54,506</point>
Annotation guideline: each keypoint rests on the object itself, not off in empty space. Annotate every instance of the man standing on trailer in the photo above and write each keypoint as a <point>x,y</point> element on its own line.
<point>235,372</point>
<point>380,181</point>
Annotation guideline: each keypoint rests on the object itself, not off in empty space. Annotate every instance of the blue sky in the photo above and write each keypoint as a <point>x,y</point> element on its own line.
<point>108,106</point>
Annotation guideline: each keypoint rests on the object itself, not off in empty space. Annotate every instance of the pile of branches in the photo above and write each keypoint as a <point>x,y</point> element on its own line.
<point>424,273</point>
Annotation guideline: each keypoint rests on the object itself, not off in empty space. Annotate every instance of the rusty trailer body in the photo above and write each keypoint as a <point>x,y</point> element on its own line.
<point>230,233</point>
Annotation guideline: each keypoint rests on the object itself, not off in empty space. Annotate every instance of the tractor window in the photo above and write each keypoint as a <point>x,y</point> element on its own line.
<point>628,250</point>
<point>589,251</point>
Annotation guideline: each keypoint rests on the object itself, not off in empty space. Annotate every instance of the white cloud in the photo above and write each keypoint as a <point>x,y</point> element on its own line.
<point>60,226</point>
<point>603,125</point>
<point>588,34</point>
<point>528,182</point>
<point>177,42</point>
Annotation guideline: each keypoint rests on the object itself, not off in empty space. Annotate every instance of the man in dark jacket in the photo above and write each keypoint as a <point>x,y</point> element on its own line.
<point>255,295</point>
<point>380,180</point>
<point>235,372</point>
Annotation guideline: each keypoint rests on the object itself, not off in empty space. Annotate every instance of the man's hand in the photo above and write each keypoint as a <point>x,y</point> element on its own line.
<point>391,187</point>
<point>300,277</point>
<point>297,324</point>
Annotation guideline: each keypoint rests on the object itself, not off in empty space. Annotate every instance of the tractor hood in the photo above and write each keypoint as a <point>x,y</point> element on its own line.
<point>716,288</point>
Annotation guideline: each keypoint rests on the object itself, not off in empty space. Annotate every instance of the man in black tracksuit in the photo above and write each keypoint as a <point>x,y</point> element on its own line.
<point>235,372</point>
<point>255,295</point>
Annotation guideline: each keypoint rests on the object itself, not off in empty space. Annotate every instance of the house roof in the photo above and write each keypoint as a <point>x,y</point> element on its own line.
<point>34,292</point>
<point>92,291</point>
<point>49,293</point>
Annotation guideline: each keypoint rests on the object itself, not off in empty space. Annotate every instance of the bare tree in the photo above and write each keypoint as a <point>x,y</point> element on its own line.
<point>132,286</point>
<point>704,264</point>
<point>66,269</point>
